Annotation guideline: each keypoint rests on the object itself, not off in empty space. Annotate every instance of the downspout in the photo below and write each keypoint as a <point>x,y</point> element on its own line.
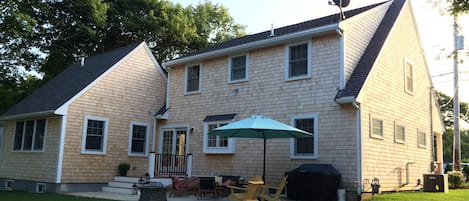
<point>60,156</point>
<point>155,124</point>
<point>356,105</point>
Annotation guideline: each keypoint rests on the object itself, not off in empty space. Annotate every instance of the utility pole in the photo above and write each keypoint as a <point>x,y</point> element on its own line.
<point>457,135</point>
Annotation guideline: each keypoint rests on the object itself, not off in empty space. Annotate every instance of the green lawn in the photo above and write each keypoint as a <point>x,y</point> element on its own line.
<point>25,196</point>
<point>453,195</point>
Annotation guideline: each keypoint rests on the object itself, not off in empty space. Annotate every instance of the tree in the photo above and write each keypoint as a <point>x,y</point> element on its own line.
<point>459,7</point>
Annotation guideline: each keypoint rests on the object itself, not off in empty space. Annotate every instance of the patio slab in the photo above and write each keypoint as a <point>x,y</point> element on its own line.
<point>125,197</point>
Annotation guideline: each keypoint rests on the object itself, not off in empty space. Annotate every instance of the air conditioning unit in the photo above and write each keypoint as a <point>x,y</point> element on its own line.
<point>435,183</point>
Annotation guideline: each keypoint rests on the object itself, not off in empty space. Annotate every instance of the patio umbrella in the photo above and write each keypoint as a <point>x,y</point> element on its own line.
<point>259,127</point>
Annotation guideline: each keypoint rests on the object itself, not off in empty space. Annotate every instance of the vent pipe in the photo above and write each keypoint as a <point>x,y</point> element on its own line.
<point>272,30</point>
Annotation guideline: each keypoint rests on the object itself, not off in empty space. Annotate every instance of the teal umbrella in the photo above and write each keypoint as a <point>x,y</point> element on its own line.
<point>259,127</point>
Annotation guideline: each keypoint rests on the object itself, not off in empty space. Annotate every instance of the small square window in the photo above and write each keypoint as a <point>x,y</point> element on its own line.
<point>376,128</point>
<point>399,133</point>
<point>41,188</point>
<point>422,139</point>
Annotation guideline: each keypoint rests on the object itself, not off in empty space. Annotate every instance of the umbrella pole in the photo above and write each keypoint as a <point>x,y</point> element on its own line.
<point>263,171</point>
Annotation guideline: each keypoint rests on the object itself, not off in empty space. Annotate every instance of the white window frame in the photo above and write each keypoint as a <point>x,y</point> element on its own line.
<point>186,77</point>
<point>34,136</point>
<point>309,61</point>
<point>105,133</point>
<point>396,125</point>
<point>408,61</point>
<point>315,155</point>
<point>147,138</point>
<point>377,136</point>
<point>246,74</point>
<point>230,149</point>
<point>419,132</point>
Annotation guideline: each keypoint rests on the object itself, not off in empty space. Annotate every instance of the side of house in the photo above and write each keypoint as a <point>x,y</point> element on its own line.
<point>89,119</point>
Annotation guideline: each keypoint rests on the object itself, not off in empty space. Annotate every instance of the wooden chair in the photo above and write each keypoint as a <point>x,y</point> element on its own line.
<point>265,195</point>
<point>248,194</point>
<point>187,186</point>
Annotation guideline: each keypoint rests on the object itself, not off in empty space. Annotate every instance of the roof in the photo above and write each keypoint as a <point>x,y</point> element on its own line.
<point>68,83</point>
<point>220,117</point>
<point>280,32</point>
<point>365,64</point>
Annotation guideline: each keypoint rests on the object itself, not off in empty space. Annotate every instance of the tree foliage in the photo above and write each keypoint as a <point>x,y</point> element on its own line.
<point>46,36</point>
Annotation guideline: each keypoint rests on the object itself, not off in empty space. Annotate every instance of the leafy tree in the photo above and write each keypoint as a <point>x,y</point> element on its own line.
<point>459,7</point>
<point>446,110</point>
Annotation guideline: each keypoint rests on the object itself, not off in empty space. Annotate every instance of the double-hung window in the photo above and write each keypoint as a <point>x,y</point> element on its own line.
<point>298,61</point>
<point>409,76</point>
<point>307,147</point>
<point>193,75</point>
<point>421,139</point>
<point>94,139</point>
<point>29,135</point>
<point>238,68</point>
<point>138,139</point>
<point>399,133</point>
<point>376,128</point>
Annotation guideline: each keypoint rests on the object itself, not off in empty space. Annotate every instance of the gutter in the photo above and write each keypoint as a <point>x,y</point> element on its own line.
<point>28,115</point>
<point>331,28</point>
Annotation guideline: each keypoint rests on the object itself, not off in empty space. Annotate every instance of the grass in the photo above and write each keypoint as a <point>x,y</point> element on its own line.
<point>453,195</point>
<point>26,196</point>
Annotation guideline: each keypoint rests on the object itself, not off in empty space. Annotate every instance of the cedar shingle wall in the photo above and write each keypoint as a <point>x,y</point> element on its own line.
<point>385,98</point>
<point>33,166</point>
<point>267,93</point>
<point>126,94</point>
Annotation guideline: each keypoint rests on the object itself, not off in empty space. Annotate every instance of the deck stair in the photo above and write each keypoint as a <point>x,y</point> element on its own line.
<point>122,185</point>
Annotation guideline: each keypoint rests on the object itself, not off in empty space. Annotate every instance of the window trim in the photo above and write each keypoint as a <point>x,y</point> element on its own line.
<point>372,135</point>
<point>423,146</point>
<point>186,77</point>
<point>315,155</point>
<point>33,137</point>
<point>84,132</point>
<point>308,63</point>
<point>217,150</point>
<point>397,124</point>
<point>409,61</point>
<point>246,73</point>
<point>147,138</point>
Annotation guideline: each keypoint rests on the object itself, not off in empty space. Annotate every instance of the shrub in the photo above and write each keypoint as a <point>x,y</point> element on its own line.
<point>123,168</point>
<point>465,170</point>
<point>449,167</point>
<point>455,179</point>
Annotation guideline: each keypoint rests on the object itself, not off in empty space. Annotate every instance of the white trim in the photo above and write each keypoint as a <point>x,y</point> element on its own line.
<point>147,138</point>
<point>168,89</point>
<point>174,128</point>
<point>28,115</point>
<point>62,110</point>
<point>105,132</point>
<point>342,61</point>
<point>153,60</point>
<point>60,156</point>
<point>230,149</point>
<point>246,74</point>
<point>315,154</point>
<point>309,57</point>
<point>399,124</point>
<point>269,41</point>
<point>409,61</point>
<point>373,117</point>
<point>418,139</point>
<point>186,76</point>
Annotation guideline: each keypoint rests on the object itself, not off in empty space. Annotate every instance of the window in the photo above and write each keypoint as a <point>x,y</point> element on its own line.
<point>94,135</point>
<point>29,135</point>
<point>376,128</point>
<point>409,76</point>
<point>216,144</point>
<point>305,148</point>
<point>298,62</point>
<point>422,142</point>
<point>138,139</point>
<point>41,187</point>
<point>399,133</point>
<point>238,68</point>
<point>193,79</point>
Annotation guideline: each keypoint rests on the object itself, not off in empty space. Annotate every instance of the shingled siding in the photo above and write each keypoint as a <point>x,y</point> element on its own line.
<point>385,98</point>
<point>125,94</point>
<point>32,167</point>
<point>358,32</point>
<point>267,93</point>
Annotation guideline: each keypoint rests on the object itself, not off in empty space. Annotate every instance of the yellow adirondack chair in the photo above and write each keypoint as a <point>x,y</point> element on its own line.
<point>250,193</point>
<point>265,195</point>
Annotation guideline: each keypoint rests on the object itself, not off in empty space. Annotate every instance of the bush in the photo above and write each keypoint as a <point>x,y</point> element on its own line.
<point>449,167</point>
<point>455,179</point>
<point>465,170</point>
<point>123,168</point>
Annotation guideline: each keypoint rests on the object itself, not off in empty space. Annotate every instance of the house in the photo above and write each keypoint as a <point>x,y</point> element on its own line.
<point>73,132</point>
<point>361,85</point>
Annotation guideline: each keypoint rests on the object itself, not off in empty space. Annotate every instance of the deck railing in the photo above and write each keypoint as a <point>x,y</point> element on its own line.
<point>169,164</point>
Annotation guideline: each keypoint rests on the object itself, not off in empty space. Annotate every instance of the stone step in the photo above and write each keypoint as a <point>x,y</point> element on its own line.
<point>120,184</point>
<point>126,179</point>
<point>128,191</point>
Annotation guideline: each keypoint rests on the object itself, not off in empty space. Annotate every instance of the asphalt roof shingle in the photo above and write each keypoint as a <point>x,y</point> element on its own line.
<point>68,83</point>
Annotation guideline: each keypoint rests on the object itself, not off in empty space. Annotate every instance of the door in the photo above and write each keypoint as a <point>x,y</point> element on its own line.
<point>173,151</point>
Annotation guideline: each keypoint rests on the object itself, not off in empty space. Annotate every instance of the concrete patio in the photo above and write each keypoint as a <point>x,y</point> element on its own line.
<point>125,197</point>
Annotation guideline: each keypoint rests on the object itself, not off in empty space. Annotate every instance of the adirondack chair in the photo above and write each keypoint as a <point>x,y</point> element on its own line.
<point>247,194</point>
<point>265,195</point>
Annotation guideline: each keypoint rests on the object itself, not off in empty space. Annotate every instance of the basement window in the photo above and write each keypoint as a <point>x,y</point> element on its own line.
<point>41,188</point>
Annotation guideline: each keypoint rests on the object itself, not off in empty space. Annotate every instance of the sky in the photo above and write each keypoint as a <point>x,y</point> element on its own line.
<point>436,31</point>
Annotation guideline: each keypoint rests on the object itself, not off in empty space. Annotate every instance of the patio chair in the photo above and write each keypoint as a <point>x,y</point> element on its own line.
<point>188,186</point>
<point>207,186</point>
<point>248,194</point>
<point>265,194</point>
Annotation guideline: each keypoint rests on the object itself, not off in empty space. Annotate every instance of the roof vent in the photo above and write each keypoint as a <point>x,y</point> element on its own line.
<point>272,30</point>
<point>82,61</point>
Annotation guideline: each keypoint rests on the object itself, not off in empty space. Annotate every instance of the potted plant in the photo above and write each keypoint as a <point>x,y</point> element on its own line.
<point>123,168</point>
